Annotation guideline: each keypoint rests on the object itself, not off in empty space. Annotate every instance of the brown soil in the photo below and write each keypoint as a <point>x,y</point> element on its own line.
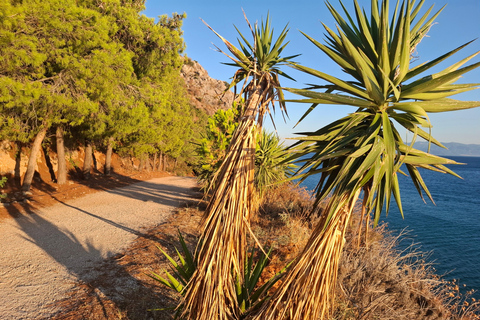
<point>45,192</point>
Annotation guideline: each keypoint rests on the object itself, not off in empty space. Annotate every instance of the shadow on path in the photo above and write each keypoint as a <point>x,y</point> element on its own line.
<point>156,192</point>
<point>83,259</point>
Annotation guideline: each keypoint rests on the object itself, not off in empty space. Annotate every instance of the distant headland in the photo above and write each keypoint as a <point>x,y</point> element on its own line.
<point>454,149</point>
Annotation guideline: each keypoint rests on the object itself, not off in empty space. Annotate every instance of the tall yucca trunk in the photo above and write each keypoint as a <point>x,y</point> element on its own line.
<point>211,291</point>
<point>308,290</point>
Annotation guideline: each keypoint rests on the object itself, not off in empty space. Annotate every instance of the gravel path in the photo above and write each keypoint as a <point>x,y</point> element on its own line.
<point>42,254</point>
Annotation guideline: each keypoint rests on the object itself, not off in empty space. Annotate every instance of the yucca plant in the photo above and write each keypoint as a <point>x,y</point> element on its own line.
<point>182,269</point>
<point>210,293</point>
<point>363,151</point>
<point>250,294</point>
<point>271,166</point>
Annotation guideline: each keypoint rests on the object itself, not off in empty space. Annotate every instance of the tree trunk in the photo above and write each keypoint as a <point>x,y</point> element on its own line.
<point>49,164</point>
<point>94,161</point>
<point>160,161</point>
<point>132,162</point>
<point>108,157</point>
<point>154,168</point>
<point>87,164</point>
<point>147,163</point>
<point>62,162</point>
<point>18,161</point>
<point>32,160</point>
<point>141,166</point>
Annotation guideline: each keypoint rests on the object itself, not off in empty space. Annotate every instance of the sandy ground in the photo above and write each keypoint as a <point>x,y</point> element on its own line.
<point>44,252</point>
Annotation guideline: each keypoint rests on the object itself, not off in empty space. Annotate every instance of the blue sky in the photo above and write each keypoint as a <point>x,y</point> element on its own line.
<point>456,25</point>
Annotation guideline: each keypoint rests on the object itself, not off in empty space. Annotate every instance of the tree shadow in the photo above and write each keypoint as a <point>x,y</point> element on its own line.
<point>146,299</point>
<point>165,194</point>
<point>49,164</point>
<point>17,197</point>
<point>97,269</point>
<point>100,181</point>
<point>161,193</point>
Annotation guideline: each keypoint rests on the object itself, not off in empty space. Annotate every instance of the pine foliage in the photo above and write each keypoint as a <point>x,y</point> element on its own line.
<point>101,70</point>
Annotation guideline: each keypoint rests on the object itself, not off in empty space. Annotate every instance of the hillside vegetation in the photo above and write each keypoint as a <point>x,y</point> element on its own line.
<point>100,76</point>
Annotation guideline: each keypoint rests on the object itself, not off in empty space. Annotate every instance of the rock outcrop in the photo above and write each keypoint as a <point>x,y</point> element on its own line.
<point>206,93</point>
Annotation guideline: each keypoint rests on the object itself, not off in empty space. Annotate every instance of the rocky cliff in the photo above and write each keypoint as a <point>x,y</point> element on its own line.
<point>205,93</point>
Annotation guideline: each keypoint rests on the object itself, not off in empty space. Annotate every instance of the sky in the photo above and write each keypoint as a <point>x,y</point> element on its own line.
<point>458,23</point>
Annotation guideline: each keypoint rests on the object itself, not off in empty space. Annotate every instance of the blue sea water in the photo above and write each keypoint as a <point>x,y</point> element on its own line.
<point>450,228</point>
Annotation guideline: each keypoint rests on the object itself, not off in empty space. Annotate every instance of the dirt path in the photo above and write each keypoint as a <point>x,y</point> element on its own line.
<point>45,251</point>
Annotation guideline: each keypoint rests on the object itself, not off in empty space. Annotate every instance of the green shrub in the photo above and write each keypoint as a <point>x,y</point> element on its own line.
<point>270,154</point>
<point>2,183</point>
<point>213,145</point>
<point>270,164</point>
<point>250,295</point>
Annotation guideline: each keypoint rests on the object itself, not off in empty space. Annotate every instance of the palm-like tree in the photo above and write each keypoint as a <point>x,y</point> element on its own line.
<point>270,164</point>
<point>211,291</point>
<point>364,151</point>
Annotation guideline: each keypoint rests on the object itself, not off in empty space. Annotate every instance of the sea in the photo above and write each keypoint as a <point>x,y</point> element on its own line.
<point>449,230</point>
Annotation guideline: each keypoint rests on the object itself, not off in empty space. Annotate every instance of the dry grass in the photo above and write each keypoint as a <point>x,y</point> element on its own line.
<point>379,282</point>
<point>284,222</point>
<point>289,199</point>
<point>373,283</point>
<point>307,291</point>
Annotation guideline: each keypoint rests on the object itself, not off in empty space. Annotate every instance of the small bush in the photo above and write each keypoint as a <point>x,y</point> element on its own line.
<point>291,199</point>
<point>251,290</point>
<point>3,181</point>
